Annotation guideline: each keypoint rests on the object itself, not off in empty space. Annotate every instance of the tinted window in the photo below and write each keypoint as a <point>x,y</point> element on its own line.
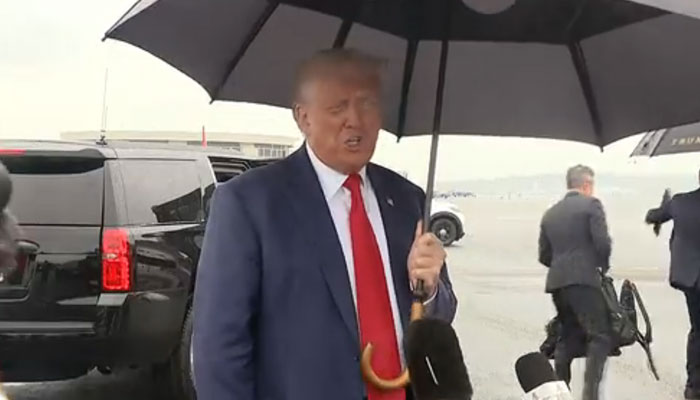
<point>226,168</point>
<point>161,191</point>
<point>56,190</point>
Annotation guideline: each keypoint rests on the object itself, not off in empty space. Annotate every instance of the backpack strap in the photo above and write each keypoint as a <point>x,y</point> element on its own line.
<point>646,339</point>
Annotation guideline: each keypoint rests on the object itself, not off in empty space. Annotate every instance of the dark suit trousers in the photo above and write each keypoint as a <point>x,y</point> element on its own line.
<point>692,297</point>
<point>585,320</point>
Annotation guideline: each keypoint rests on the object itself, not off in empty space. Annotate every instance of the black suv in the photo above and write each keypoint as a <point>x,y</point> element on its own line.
<point>111,237</point>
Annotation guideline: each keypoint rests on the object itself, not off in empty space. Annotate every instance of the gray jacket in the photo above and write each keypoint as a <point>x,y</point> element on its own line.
<point>684,209</point>
<point>574,242</point>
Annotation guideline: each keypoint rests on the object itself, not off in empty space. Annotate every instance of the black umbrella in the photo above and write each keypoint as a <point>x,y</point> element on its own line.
<point>682,139</point>
<point>586,70</point>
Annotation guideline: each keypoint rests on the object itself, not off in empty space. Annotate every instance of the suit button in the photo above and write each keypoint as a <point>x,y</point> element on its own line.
<point>356,358</point>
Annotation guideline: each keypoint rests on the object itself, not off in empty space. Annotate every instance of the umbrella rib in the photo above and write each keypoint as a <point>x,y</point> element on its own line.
<point>414,26</point>
<point>584,77</point>
<point>262,20</point>
<point>409,63</point>
<point>342,36</point>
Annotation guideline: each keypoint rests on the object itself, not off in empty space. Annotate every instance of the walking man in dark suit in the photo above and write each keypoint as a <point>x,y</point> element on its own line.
<point>574,243</point>
<point>308,259</point>
<point>684,210</point>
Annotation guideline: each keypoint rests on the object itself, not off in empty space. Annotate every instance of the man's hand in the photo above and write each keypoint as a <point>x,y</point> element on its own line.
<point>426,259</point>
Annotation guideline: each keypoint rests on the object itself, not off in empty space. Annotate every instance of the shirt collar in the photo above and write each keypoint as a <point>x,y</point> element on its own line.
<point>330,179</point>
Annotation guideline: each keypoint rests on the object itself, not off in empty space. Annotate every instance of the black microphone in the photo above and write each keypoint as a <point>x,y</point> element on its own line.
<point>538,380</point>
<point>435,361</point>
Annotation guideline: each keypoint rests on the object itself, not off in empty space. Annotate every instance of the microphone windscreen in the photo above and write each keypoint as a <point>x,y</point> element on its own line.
<point>435,361</point>
<point>534,370</point>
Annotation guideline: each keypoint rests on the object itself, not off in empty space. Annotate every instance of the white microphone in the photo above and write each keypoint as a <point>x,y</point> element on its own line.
<point>538,380</point>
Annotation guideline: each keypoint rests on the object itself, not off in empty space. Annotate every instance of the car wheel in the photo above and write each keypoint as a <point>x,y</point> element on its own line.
<point>445,229</point>
<point>175,378</point>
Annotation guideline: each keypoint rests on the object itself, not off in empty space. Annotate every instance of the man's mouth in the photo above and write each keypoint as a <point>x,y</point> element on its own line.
<point>353,141</point>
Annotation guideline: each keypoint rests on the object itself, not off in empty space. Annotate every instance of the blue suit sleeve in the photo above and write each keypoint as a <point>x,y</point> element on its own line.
<point>226,302</point>
<point>659,215</point>
<point>444,305</point>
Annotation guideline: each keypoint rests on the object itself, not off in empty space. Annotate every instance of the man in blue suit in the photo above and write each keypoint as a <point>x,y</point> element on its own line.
<point>306,260</point>
<point>684,210</point>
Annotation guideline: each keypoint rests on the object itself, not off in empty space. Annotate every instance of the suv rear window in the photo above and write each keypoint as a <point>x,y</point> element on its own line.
<point>162,191</point>
<point>56,190</point>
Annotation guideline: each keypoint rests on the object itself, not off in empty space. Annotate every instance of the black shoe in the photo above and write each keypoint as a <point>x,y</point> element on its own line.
<point>691,394</point>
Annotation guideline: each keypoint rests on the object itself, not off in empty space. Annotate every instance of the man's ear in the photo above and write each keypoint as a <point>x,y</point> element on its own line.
<point>300,116</point>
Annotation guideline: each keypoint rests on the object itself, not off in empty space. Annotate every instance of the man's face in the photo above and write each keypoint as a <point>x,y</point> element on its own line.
<point>340,115</point>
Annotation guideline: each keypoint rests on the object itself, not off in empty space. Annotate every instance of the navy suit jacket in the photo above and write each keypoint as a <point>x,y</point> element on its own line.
<point>274,317</point>
<point>684,210</point>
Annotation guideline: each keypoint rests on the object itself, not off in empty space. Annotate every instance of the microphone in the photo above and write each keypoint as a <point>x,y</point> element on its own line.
<point>435,362</point>
<point>538,380</point>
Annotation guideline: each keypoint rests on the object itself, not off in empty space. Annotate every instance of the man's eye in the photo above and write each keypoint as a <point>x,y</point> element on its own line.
<point>336,109</point>
<point>370,103</point>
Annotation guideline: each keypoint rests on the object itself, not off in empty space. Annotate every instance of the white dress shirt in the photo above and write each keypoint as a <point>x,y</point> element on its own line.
<point>339,202</point>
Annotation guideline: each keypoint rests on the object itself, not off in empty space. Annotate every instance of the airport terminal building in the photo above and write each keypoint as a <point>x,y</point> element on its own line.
<point>251,145</point>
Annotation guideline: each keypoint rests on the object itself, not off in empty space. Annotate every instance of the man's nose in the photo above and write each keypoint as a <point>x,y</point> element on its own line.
<point>354,116</point>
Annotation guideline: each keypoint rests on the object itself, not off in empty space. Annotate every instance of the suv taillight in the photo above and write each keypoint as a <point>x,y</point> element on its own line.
<point>116,260</point>
<point>12,152</point>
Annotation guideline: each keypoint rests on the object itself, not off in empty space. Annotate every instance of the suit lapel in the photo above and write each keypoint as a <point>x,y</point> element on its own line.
<point>396,225</point>
<point>316,224</point>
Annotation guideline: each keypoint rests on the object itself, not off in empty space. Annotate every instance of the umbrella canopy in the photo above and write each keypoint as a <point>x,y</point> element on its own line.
<point>682,139</point>
<point>585,70</point>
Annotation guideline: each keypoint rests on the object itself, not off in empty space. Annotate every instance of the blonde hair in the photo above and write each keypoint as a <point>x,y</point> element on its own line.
<point>332,61</point>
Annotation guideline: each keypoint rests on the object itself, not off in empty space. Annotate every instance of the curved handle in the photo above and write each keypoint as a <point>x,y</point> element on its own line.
<point>417,310</point>
<point>371,377</point>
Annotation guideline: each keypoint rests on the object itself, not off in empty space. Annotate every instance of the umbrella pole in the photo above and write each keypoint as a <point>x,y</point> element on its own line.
<point>430,187</point>
<point>437,117</point>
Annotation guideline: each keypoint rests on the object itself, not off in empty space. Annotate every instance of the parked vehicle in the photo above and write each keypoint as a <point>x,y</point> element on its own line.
<point>447,222</point>
<point>111,237</point>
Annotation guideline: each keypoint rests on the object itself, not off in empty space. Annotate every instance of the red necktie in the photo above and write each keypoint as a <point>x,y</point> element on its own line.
<point>373,306</point>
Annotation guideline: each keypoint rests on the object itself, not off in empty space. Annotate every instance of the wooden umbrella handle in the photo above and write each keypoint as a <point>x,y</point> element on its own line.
<point>417,310</point>
<point>378,382</point>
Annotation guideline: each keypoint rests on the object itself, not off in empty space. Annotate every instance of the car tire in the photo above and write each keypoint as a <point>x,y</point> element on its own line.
<point>445,229</point>
<point>174,379</point>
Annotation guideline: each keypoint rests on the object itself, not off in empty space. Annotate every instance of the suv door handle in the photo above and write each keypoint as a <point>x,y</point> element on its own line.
<point>27,247</point>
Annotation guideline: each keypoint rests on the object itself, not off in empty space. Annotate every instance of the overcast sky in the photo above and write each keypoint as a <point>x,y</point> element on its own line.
<point>52,72</point>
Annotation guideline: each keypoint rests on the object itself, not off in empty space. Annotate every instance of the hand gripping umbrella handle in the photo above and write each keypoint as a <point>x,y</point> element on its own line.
<point>402,380</point>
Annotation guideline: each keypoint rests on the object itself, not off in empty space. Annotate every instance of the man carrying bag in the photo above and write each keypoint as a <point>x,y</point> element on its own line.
<point>574,244</point>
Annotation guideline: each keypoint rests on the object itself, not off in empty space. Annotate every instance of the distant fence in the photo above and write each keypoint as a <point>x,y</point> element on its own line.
<point>453,194</point>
